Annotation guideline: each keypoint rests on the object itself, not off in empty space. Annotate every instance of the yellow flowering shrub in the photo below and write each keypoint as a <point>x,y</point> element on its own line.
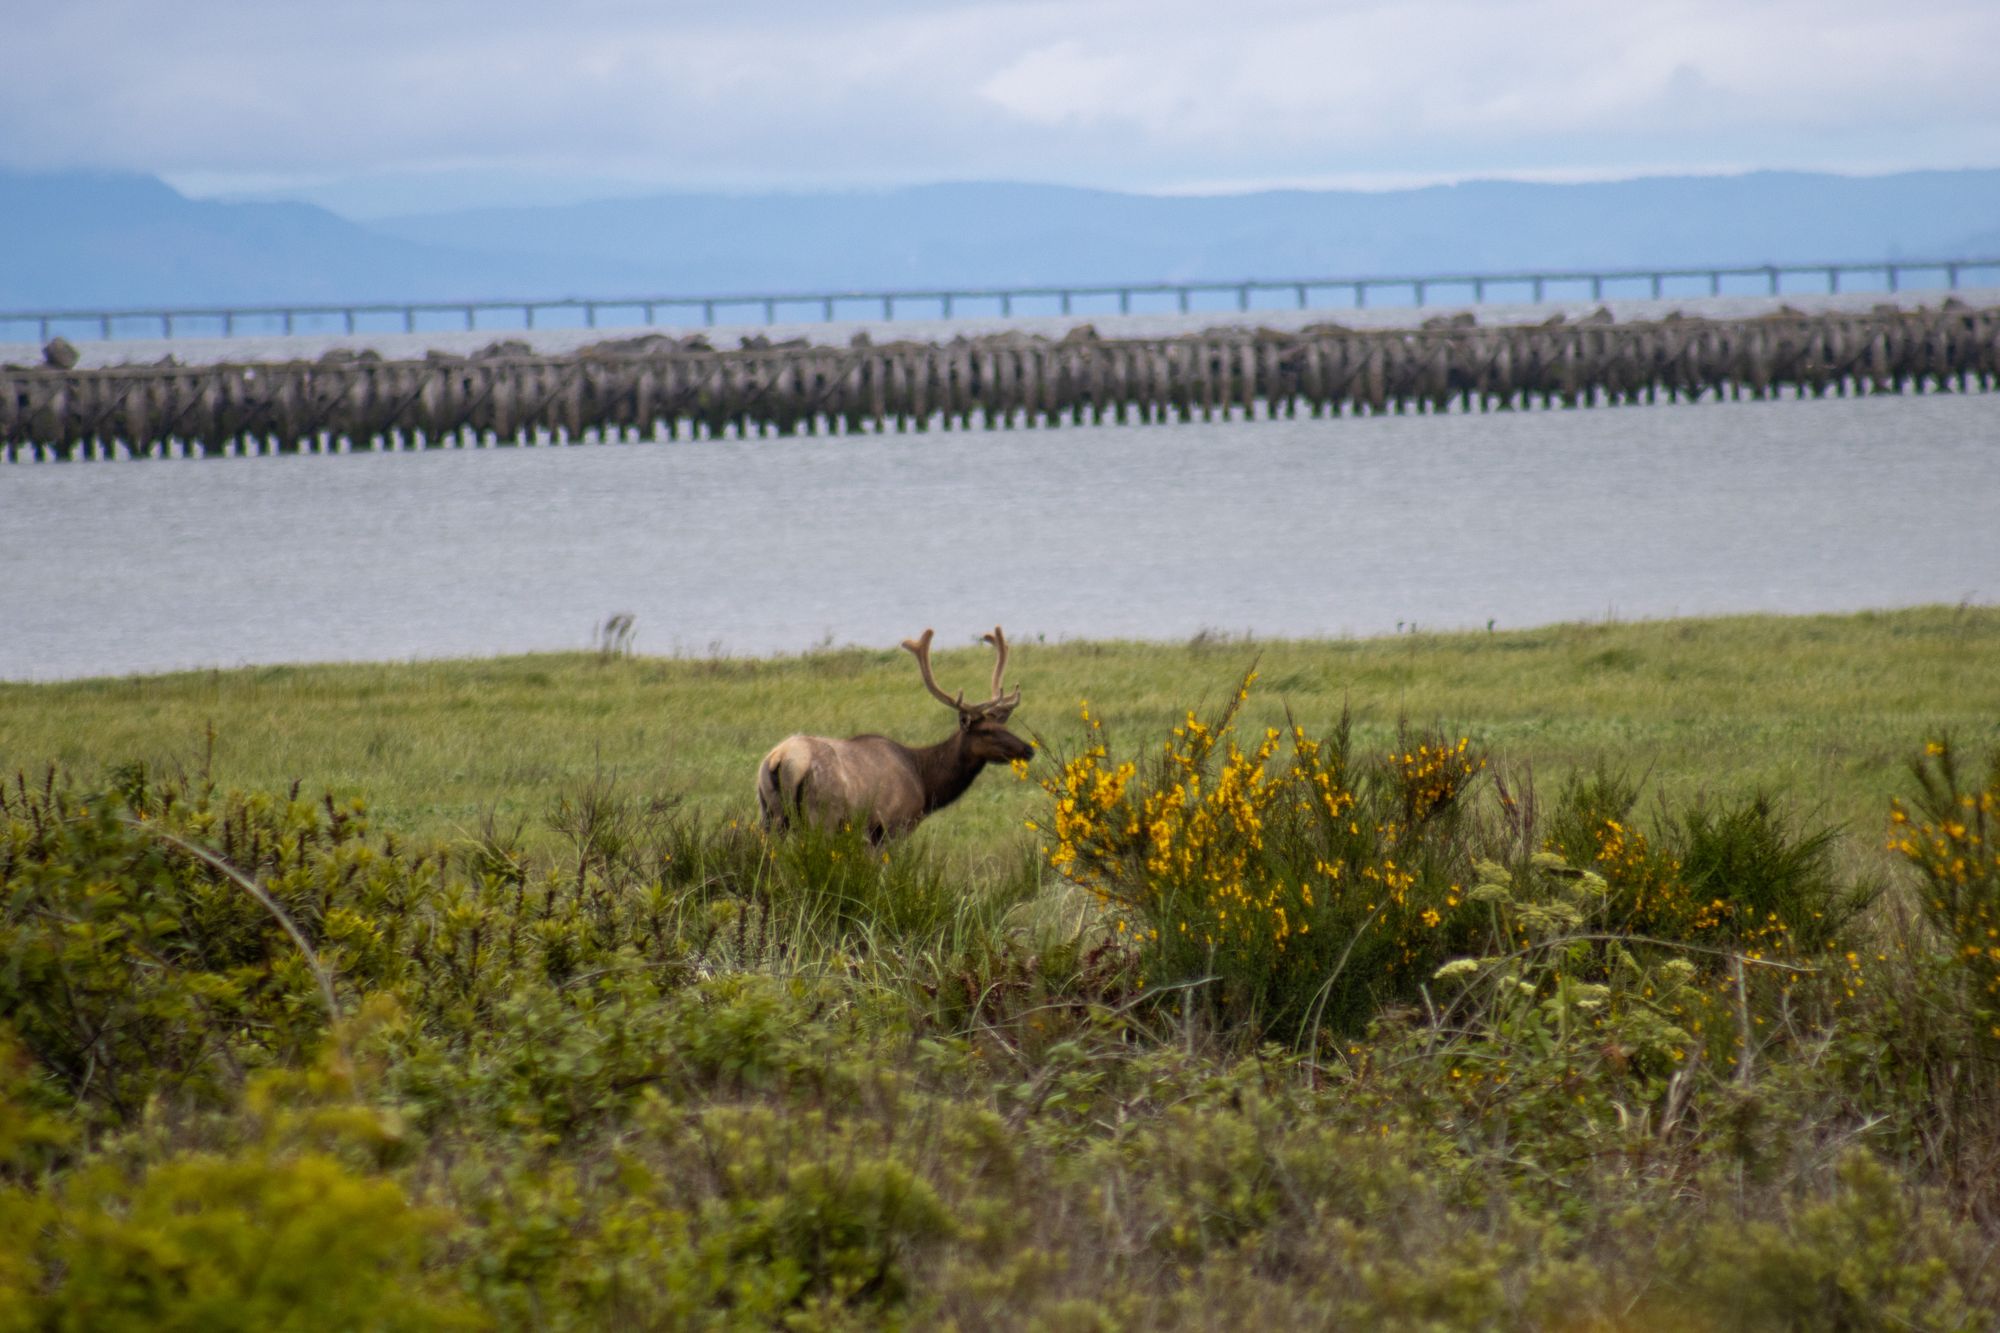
<point>1594,827</point>
<point>1432,776</point>
<point>1948,834</point>
<point>1740,873</point>
<point>1296,893</point>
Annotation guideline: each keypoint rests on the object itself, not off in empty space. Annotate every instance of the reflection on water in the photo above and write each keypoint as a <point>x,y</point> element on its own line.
<point>1292,528</point>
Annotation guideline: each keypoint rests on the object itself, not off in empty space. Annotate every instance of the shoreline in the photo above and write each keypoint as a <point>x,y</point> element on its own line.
<point>1207,640</point>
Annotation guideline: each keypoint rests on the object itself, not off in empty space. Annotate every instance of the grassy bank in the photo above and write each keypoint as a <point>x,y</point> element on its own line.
<point>1597,977</point>
<point>1826,705</point>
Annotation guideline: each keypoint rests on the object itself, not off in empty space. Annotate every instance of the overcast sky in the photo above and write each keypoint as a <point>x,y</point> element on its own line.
<point>598,96</point>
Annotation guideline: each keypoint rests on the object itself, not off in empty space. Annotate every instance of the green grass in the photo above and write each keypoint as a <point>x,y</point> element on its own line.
<point>1826,705</point>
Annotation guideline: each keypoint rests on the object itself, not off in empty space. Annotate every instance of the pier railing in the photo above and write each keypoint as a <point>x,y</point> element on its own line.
<point>1889,275</point>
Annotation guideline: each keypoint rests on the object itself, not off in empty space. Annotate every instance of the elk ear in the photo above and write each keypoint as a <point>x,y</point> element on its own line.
<point>1001,714</point>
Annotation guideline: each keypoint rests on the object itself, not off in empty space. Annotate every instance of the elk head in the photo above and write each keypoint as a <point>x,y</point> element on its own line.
<point>982,727</point>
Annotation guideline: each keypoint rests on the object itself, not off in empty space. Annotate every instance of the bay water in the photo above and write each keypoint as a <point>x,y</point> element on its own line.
<point>1285,528</point>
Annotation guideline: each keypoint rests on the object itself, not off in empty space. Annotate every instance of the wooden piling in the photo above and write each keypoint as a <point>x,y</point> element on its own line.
<point>660,387</point>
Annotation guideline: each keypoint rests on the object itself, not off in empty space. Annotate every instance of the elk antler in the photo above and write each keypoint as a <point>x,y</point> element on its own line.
<point>999,642</point>
<point>922,648</point>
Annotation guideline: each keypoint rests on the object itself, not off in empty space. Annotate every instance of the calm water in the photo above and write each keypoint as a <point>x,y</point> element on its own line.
<point>1344,527</point>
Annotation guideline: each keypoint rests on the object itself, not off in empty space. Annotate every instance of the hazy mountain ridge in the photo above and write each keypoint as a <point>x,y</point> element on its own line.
<point>1000,234</point>
<point>91,239</point>
<point>95,239</point>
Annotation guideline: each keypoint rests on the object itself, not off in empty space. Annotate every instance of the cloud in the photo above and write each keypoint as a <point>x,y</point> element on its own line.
<point>1062,84</point>
<point>1160,93</point>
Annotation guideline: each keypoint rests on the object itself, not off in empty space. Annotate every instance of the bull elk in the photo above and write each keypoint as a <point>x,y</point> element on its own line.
<point>883,784</point>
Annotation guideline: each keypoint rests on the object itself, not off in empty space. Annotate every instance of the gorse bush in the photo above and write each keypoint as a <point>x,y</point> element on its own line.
<point>1741,873</point>
<point>1932,1034</point>
<point>1595,824</point>
<point>1303,887</point>
<point>1766,883</point>
<point>1951,833</point>
<point>1286,894</point>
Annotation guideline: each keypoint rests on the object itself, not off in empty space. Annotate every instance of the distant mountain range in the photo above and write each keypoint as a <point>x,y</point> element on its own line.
<point>92,240</point>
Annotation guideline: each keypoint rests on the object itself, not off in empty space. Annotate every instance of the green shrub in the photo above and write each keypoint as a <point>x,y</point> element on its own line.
<point>251,1242</point>
<point>132,965</point>
<point>1735,873</point>
<point>1872,1256</point>
<point>1777,885</point>
<point>104,966</point>
<point>843,1231</point>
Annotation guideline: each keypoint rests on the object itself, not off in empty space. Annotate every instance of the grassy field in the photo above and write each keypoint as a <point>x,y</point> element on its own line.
<point>1824,708</point>
<point>459,995</point>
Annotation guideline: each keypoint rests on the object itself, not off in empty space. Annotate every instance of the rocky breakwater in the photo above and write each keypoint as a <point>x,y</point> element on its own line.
<point>659,387</point>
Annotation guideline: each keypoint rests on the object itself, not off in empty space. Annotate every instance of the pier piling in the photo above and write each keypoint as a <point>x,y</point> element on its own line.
<point>659,388</point>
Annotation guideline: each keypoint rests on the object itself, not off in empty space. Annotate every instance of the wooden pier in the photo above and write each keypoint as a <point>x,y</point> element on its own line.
<point>658,387</point>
